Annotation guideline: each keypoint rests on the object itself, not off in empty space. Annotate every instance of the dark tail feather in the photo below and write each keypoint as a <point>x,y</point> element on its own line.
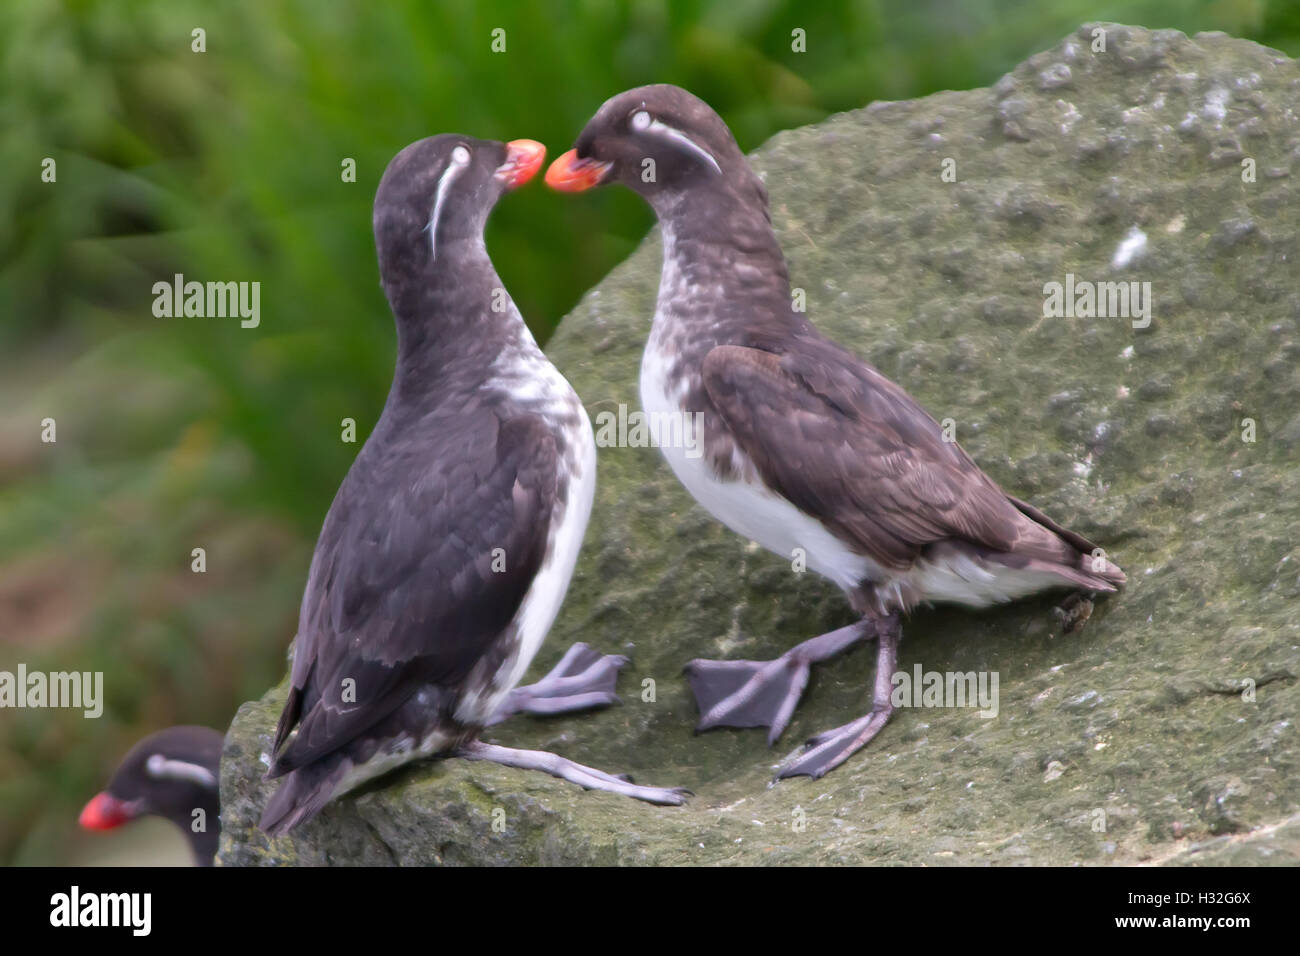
<point>288,717</point>
<point>302,795</point>
<point>1093,570</point>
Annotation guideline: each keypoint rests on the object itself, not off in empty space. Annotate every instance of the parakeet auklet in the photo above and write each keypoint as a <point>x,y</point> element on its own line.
<point>447,551</point>
<point>171,774</point>
<point>805,446</point>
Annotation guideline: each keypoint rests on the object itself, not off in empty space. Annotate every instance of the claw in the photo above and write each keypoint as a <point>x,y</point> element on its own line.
<point>826,751</point>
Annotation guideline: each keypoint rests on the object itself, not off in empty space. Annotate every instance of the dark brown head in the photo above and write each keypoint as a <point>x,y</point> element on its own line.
<point>436,195</point>
<point>658,140</point>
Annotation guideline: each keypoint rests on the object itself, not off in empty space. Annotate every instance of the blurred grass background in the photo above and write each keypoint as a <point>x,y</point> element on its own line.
<point>225,165</point>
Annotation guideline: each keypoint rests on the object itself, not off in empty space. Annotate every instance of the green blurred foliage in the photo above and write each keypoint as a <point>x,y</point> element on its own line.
<point>183,433</point>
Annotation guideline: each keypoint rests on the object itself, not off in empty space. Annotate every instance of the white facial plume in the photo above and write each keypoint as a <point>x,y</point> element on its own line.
<point>642,122</point>
<point>459,160</point>
<point>164,769</point>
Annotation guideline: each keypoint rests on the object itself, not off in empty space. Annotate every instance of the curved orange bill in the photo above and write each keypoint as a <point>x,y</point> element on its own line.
<point>104,812</point>
<point>523,159</point>
<point>569,174</point>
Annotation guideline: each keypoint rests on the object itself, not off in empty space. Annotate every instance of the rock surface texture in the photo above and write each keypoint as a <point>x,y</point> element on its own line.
<point>1165,730</point>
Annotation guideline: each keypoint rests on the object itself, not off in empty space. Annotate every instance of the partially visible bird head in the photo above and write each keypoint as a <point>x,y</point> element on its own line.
<point>169,774</point>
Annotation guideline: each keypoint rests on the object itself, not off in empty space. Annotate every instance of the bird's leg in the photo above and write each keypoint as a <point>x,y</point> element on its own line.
<point>763,693</point>
<point>584,679</point>
<point>828,750</point>
<point>557,766</point>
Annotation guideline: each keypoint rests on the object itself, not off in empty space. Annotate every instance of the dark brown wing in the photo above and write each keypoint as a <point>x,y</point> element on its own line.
<point>402,592</point>
<point>851,448</point>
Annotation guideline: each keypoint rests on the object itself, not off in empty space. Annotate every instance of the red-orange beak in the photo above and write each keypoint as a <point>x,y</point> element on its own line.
<point>104,812</point>
<point>569,174</point>
<point>524,158</point>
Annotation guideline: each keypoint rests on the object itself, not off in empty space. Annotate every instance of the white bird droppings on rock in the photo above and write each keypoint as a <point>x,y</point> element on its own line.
<point>1131,249</point>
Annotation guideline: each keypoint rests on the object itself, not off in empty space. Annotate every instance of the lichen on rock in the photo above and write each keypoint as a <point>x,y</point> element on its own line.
<point>1165,729</point>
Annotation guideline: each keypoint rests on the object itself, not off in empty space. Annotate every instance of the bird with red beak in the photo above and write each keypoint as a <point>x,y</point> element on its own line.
<point>806,448</point>
<point>171,774</point>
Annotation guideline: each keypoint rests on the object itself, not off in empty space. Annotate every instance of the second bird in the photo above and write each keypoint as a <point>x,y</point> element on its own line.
<point>805,446</point>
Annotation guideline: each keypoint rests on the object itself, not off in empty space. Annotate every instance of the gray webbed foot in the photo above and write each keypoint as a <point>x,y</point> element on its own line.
<point>584,679</point>
<point>763,693</point>
<point>586,777</point>
<point>826,751</point>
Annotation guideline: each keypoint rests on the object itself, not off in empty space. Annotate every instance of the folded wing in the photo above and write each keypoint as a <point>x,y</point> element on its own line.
<point>413,586</point>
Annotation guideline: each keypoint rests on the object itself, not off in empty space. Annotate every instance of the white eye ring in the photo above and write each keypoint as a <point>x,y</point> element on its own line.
<point>640,120</point>
<point>460,155</point>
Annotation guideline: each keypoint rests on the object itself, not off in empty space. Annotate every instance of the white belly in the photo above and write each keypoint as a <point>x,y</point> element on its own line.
<point>965,579</point>
<point>542,603</point>
<point>750,510</point>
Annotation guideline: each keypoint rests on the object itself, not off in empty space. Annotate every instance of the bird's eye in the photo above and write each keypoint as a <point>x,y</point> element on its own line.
<point>460,155</point>
<point>640,120</point>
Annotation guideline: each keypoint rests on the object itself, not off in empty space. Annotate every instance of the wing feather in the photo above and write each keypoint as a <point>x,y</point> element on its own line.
<point>851,448</point>
<point>402,592</point>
